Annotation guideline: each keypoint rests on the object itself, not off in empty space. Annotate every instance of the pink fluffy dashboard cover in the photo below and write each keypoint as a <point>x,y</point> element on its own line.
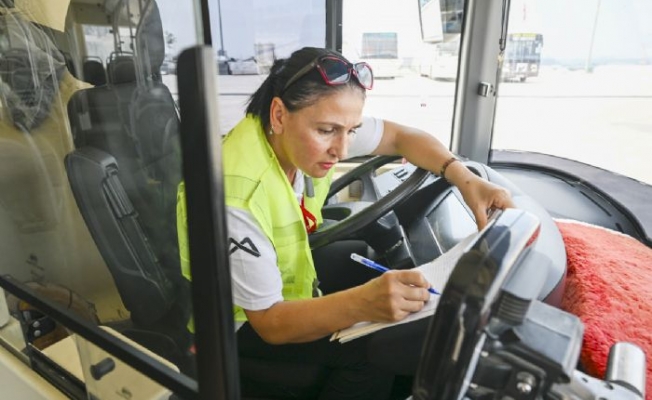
<point>609,286</point>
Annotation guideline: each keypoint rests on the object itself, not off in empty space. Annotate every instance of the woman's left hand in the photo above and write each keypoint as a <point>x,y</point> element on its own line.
<point>483,196</point>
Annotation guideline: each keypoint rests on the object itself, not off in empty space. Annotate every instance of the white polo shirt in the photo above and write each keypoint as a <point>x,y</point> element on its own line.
<point>256,280</point>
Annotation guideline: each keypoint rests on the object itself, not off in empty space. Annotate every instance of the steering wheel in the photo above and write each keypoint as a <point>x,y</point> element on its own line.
<point>357,218</point>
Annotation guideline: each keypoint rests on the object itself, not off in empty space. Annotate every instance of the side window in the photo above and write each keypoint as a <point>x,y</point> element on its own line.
<point>248,37</point>
<point>577,83</point>
<point>407,48</point>
<point>379,45</point>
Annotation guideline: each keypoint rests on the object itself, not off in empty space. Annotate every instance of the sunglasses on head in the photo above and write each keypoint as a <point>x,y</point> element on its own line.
<point>336,71</point>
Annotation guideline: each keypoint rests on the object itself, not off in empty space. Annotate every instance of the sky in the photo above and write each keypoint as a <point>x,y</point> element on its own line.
<point>622,28</point>
<point>622,31</point>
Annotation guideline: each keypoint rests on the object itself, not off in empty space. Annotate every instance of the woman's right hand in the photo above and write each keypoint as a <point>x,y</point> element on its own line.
<point>393,296</point>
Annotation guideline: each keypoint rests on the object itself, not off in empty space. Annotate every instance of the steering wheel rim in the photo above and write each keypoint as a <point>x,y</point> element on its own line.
<point>361,171</point>
<point>353,224</point>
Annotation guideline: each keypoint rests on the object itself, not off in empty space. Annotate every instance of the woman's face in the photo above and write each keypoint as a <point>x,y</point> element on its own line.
<point>315,138</point>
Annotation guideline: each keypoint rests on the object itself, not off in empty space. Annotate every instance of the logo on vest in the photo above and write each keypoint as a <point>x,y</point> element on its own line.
<point>246,244</point>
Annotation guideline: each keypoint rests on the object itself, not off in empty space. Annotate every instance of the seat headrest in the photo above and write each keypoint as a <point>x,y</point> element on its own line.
<point>94,72</point>
<point>150,42</point>
<point>122,69</point>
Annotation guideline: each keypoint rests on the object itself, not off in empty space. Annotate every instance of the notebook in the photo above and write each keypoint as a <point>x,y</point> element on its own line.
<point>436,271</point>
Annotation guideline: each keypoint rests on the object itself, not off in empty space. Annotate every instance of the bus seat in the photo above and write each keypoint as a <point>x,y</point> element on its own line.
<point>146,292</point>
<point>133,124</point>
<point>135,121</point>
<point>260,379</point>
<point>158,313</point>
<point>150,44</point>
<point>94,72</point>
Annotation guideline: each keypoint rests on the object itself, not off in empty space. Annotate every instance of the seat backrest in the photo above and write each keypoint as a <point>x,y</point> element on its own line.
<point>115,226</point>
<point>154,116</point>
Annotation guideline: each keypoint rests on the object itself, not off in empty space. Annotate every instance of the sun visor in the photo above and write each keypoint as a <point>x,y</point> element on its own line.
<point>50,13</point>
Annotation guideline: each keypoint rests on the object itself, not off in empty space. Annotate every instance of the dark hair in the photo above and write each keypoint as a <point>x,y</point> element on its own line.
<point>303,93</point>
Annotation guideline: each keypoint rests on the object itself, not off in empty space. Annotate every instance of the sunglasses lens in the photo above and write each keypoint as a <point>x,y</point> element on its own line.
<point>365,76</point>
<point>337,72</point>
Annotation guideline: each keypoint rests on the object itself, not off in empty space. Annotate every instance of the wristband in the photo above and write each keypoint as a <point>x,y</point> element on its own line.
<point>442,172</point>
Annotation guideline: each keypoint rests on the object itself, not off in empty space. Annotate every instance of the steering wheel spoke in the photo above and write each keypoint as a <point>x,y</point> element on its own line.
<point>358,220</point>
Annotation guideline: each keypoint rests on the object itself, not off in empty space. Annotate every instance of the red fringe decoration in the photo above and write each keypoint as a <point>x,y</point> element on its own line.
<point>609,286</point>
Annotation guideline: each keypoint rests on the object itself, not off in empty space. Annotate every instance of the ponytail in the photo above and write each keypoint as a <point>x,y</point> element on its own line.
<point>260,101</point>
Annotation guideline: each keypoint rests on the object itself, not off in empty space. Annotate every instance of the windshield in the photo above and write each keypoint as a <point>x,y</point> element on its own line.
<point>578,84</point>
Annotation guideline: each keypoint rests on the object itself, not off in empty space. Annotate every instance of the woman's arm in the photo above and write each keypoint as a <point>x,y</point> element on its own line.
<point>390,297</point>
<point>425,151</point>
<point>257,285</point>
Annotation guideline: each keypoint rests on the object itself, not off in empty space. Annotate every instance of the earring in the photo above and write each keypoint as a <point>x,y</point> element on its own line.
<point>271,131</point>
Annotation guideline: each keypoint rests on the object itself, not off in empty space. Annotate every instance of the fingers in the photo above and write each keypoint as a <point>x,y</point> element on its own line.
<point>482,195</point>
<point>496,198</point>
<point>412,306</point>
<point>413,285</point>
<point>503,200</point>
<point>396,294</point>
<point>411,278</point>
<point>480,218</point>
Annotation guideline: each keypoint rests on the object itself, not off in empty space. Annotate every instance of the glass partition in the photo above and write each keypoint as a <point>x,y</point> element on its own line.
<point>90,162</point>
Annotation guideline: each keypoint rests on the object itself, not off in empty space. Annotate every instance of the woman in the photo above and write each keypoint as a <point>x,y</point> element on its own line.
<point>305,117</point>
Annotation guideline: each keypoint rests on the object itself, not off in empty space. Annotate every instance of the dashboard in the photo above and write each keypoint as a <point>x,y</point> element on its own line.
<point>435,218</point>
<point>434,223</point>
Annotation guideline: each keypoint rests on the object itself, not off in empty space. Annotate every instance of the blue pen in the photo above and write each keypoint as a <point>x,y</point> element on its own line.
<point>380,268</point>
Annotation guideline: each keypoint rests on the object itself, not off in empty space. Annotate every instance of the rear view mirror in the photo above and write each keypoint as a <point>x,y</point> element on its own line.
<point>440,19</point>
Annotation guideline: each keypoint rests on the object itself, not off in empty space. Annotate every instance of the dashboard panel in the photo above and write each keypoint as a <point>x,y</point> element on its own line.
<point>436,217</point>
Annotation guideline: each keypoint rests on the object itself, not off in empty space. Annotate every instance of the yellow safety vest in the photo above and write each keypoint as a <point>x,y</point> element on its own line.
<point>255,182</point>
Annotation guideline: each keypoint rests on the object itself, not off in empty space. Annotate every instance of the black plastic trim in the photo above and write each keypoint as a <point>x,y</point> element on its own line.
<point>206,21</point>
<point>629,196</point>
<point>334,25</point>
<point>56,375</point>
<point>217,358</point>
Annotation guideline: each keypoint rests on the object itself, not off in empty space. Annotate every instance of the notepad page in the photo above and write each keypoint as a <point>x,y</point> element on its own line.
<point>436,272</point>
